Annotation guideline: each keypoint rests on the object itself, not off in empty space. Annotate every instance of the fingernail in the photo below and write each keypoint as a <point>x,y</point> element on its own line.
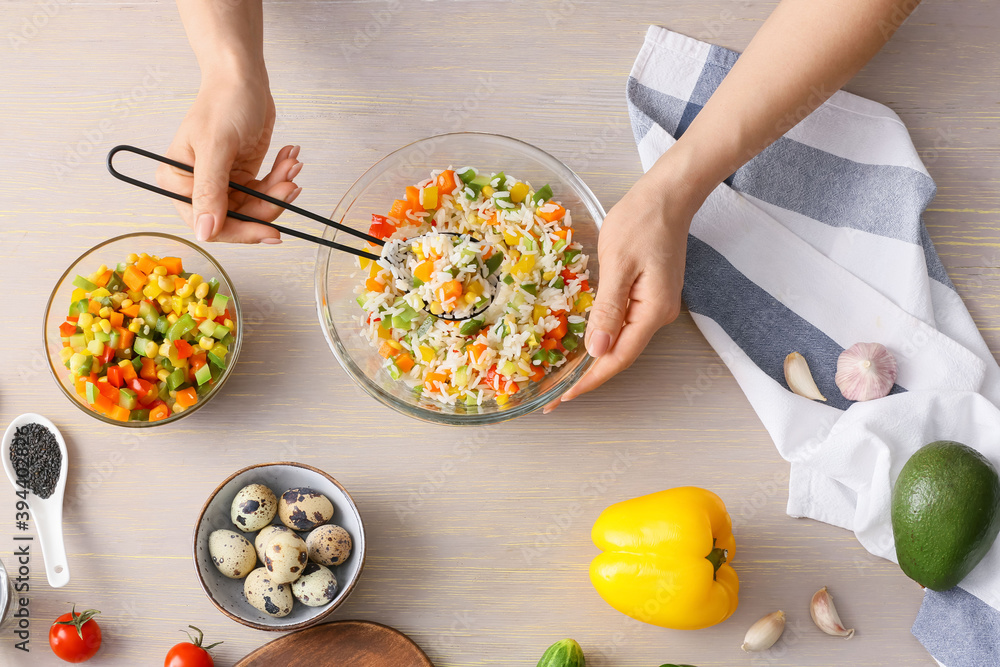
<point>599,343</point>
<point>271,241</point>
<point>566,399</point>
<point>546,411</point>
<point>294,153</point>
<point>204,226</point>
<point>292,197</point>
<point>294,171</point>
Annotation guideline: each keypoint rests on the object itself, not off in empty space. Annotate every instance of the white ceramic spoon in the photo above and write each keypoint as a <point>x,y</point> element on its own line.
<point>46,512</point>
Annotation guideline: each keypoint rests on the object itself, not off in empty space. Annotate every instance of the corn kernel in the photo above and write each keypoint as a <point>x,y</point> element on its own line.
<point>201,291</point>
<point>164,301</point>
<point>166,284</point>
<point>436,308</point>
<point>134,325</point>
<point>65,354</point>
<point>509,239</point>
<point>172,318</point>
<point>194,280</point>
<point>178,408</point>
<point>201,310</point>
<point>86,319</point>
<point>488,191</point>
<point>548,276</point>
<point>159,271</point>
<point>502,399</point>
<point>173,393</point>
<point>127,303</point>
<point>186,290</point>
<point>152,290</point>
<point>151,349</point>
<point>518,192</point>
<point>165,349</point>
<point>228,324</point>
<point>105,311</point>
<point>212,313</point>
<point>132,258</point>
<point>95,347</point>
<point>106,326</point>
<point>206,343</point>
<point>162,374</point>
<point>538,312</point>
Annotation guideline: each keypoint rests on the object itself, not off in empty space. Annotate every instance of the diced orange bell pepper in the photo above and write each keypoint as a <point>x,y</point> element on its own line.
<point>103,404</point>
<point>173,265</point>
<point>551,211</point>
<point>159,412</point>
<point>94,307</point>
<point>424,270</point>
<point>146,264</point>
<point>117,319</point>
<point>128,372</point>
<point>446,182</point>
<point>81,385</point>
<point>179,283</point>
<point>187,397</point>
<point>67,329</point>
<point>373,285</point>
<point>451,290</point>
<point>125,338</point>
<point>134,279</point>
<point>398,209</point>
<point>103,279</point>
<point>476,351</point>
<point>132,311</point>
<point>431,378</point>
<point>109,391</point>
<point>118,413</point>
<point>413,195</point>
<point>537,373</point>
<point>562,233</point>
<point>148,371</point>
<point>404,362</point>
<point>387,350</point>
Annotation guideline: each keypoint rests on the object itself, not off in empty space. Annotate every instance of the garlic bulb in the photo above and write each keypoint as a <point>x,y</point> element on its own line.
<point>765,632</point>
<point>799,379</point>
<point>825,615</point>
<point>865,371</point>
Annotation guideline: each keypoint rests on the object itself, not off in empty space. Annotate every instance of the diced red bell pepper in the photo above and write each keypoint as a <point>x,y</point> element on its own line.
<point>381,227</point>
<point>107,355</point>
<point>146,392</point>
<point>116,376</point>
<point>67,329</point>
<point>184,349</point>
<point>108,391</point>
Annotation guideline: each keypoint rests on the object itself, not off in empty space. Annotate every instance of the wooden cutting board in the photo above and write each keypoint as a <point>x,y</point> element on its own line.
<point>340,644</point>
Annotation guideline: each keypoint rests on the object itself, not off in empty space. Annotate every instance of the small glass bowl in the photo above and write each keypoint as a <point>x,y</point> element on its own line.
<point>110,253</point>
<point>373,193</point>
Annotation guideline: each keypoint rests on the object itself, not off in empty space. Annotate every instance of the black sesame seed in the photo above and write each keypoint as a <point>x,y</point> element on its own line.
<point>35,455</point>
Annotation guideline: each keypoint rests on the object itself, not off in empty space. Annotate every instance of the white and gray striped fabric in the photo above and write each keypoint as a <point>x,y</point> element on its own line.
<point>812,246</point>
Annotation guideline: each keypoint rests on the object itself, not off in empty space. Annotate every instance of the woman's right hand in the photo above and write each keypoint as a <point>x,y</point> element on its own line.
<point>225,137</point>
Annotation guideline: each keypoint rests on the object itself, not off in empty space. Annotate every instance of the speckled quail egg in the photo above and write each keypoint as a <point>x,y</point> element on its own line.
<point>253,507</point>
<point>266,533</point>
<point>329,545</point>
<point>304,509</point>
<point>269,596</point>
<point>285,556</point>
<point>316,587</point>
<point>231,553</point>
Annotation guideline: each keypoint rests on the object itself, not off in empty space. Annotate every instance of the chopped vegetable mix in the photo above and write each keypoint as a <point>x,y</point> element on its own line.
<point>145,340</point>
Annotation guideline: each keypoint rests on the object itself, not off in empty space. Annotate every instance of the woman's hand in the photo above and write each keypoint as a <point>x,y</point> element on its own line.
<point>225,136</point>
<point>641,249</point>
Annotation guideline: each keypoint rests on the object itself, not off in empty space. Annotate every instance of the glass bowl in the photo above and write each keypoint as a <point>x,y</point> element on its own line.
<point>337,272</point>
<point>110,253</point>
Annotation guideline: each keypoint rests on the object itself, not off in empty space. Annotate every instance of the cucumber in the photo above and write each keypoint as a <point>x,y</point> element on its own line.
<point>564,653</point>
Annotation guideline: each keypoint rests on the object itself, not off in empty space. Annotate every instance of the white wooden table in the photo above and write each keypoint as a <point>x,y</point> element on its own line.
<point>470,552</point>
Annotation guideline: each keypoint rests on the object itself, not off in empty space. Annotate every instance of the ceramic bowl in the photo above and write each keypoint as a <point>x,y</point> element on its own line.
<point>226,593</point>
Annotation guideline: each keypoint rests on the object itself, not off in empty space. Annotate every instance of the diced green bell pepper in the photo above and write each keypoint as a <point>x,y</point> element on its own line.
<point>203,374</point>
<point>162,325</point>
<point>570,342</point>
<point>577,327</point>
<point>141,415</point>
<point>220,302</point>
<point>542,194</point>
<point>471,327</point>
<point>393,369</point>
<point>467,175</point>
<point>92,392</point>
<point>148,314</point>
<point>215,360</point>
<point>207,328</point>
<point>84,284</point>
<point>213,288</point>
<point>220,332</point>
<point>183,326</point>
<point>176,379</point>
<point>559,283</point>
<point>127,398</point>
<point>531,289</point>
<point>493,263</point>
<point>79,307</point>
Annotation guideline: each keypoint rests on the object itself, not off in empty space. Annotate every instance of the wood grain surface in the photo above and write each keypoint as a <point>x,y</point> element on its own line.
<point>357,643</point>
<point>478,540</point>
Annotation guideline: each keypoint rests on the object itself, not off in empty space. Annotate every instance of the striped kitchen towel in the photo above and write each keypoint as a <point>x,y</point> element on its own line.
<point>812,246</point>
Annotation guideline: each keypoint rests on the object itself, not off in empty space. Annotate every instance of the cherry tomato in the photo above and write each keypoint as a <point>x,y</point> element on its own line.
<point>75,637</point>
<point>191,653</point>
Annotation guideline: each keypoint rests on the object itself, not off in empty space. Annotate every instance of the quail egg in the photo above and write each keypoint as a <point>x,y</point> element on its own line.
<point>329,545</point>
<point>266,533</point>
<point>231,553</point>
<point>316,587</point>
<point>285,556</point>
<point>253,507</point>
<point>304,509</point>
<point>269,596</point>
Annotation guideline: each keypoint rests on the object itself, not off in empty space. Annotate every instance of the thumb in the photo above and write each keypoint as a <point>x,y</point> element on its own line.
<point>210,196</point>
<point>608,313</point>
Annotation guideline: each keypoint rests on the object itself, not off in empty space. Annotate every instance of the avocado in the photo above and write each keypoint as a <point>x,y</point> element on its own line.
<point>945,513</point>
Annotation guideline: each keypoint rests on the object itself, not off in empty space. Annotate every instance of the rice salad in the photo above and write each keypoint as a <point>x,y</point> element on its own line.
<point>480,289</point>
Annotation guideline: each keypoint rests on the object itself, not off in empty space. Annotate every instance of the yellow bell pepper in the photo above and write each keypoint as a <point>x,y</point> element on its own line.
<point>666,557</point>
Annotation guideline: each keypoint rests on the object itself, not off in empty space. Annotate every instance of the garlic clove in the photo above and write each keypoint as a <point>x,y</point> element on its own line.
<point>825,616</point>
<point>765,632</point>
<point>800,379</point>
<point>865,371</point>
